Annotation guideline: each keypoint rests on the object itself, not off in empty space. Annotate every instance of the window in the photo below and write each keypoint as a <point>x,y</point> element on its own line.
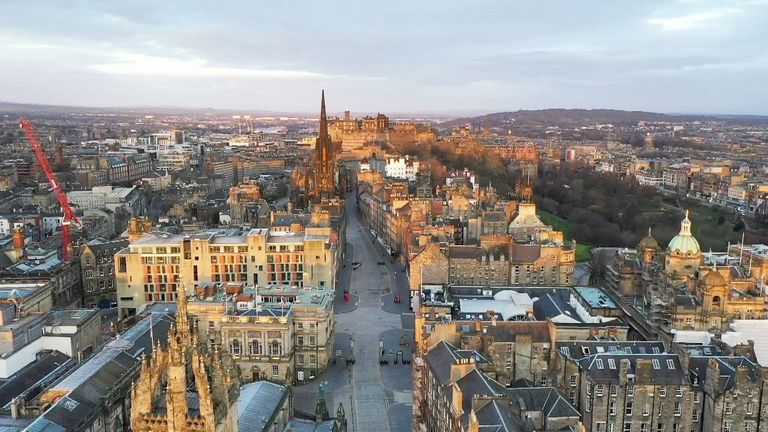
<point>300,341</point>
<point>274,348</point>
<point>646,409</point>
<point>670,364</point>
<point>612,408</point>
<point>614,390</point>
<point>696,397</point>
<point>627,427</point>
<point>656,364</point>
<point>675,427</point>
<point>611,364</point>
<point>588,405</point>
<point>312,341</point>
<point>235,347</point>
<point>300,359</point>
<point>573,380</point>
<point>600,390</point>
<point>660,427</point>
<point>727,426</point>
<point>630,390</point>
<point>600,427</point>
<point>728,408</point>
<point>695,415</point>
<point>312,359</point>
<point>679,391</point>
<point>275,370</point>
<point>628,408</point>
<point>750,407</point>
<point>599,363</point>
<point>748,426</point>
<point>255,348</point>
<point>644,427</point>
<point>678,409</point>
<point>662,391</point>
<point>611,427</point>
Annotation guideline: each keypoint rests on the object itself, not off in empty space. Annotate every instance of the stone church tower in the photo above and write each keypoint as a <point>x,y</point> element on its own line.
<point>324,179</point>
<point>161,399</point>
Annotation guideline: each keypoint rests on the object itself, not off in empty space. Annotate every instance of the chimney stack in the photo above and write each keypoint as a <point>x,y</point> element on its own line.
<point>18,238</point>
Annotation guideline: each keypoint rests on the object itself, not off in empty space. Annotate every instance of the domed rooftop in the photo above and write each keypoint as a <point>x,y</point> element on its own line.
<point>648,242</point>
<point>684,243</point>
<point>714,278</point>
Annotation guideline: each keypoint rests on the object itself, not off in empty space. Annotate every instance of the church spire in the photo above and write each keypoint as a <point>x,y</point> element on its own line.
<point>323,117</point>
<point>182,320</point>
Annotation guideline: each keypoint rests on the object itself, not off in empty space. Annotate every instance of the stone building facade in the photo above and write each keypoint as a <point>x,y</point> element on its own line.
<point>97,269</point>
<point>281,335</point>
<point>151,268</point>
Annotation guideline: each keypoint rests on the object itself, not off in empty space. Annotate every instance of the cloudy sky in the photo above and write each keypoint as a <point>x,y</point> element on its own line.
<point>405,56</point>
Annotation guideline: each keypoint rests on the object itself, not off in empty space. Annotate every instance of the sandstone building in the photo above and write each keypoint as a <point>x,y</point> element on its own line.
<point>152,268</point>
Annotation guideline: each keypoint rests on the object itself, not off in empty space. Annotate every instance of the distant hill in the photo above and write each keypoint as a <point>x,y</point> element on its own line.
<point>568,118</point>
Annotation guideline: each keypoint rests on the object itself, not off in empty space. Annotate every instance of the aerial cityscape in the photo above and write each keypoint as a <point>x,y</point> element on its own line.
<point>463,217</point>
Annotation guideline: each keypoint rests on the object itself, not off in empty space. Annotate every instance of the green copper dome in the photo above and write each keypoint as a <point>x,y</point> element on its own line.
<point>684,243</point>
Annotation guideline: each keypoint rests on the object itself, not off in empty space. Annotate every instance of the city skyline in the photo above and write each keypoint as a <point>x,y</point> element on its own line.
<point>674,57</point>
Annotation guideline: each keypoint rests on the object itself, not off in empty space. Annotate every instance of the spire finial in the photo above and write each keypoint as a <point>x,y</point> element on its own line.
<point>649,231</point>
<point>686,213</point>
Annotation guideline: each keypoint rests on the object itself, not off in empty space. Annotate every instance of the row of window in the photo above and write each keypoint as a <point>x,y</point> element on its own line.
<point>749,426</point>
<point>300,359</point>
<point>89,274</point>
<point>255,348</point>
<point>614,390</point>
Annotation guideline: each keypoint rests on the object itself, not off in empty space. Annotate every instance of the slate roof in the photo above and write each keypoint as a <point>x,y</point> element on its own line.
<point>697,365</point>
<point>549,306</point>
<point>106,246</point>
<point>524,253</point>
<point>506,331</point>
<point>464,252</point>
<point>34,373</point>
<point>476,383</point>
<point>302,425</point>
<point>440,358</point>
<point>258,405</point>
<point>548,400</point>
<point>495,416</point>
<point>598,367</point>
<point>577,350</point>
<point>95,380</point>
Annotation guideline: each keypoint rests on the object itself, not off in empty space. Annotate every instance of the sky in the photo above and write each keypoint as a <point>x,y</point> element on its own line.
<point>415,56</point>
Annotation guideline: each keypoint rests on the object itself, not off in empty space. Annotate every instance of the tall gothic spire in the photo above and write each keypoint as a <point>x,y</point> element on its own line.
<point>182,320</point>
<point>323,118</point>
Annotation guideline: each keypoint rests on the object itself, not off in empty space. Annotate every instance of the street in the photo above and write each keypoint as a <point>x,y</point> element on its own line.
<point>375,397</point>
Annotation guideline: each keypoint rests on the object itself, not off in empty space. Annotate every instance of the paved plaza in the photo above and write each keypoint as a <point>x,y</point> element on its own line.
<point>375,397</point>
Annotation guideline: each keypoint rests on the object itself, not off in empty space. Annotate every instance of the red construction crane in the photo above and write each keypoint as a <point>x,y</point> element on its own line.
<point>69,214</point>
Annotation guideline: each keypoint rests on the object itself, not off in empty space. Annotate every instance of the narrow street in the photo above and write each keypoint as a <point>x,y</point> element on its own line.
<point>375,397</point>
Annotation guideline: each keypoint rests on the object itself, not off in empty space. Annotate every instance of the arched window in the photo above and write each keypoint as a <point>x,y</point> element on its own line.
<point>255,347</point>
<point>234,347</point>
<point>716,301</point>
<point>274,348</point>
